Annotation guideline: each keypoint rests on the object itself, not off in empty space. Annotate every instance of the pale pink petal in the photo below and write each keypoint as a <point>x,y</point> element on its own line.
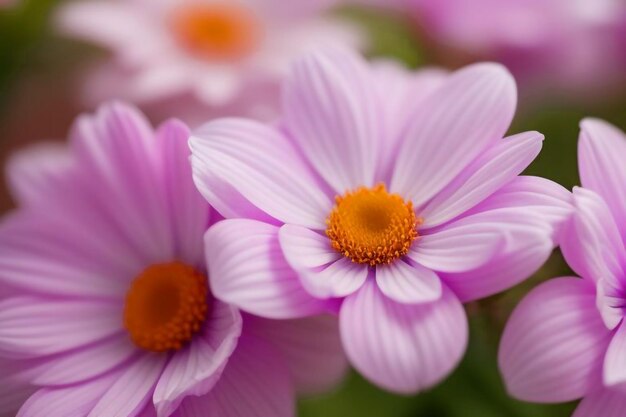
<point>615,359</point>
<point>116,149</point>
<point>306,249</point>
<point>262,166</point>
<point>73,400</point>
<point>331,111</point>
<point>472,109</point>
<point>460,246</point>
<point>83,364</point>
<point>525,251</point>
<point>408,283</point>
<point>33,327</point>
<point>602,403</point>
<point>15,391</point>
<point>189,212</point>
<point>255,383</point>
<point>491,170</point>
<point>131,391</point>
<point>247,269</point>
<point>591,244</point>
<point>40,172</point>
<point>195,369</point>
<point>311,346</point>
<point>601,150</point>
<point>400,347</point>
<point>554,343</point>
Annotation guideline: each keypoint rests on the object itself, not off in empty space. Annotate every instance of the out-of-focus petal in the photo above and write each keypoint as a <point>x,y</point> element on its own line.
<point>602,403</point>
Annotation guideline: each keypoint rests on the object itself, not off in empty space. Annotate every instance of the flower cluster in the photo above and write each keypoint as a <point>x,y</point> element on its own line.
<point>224,270</point>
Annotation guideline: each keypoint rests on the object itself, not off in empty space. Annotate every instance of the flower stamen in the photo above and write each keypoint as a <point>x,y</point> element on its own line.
<point>372,226</point>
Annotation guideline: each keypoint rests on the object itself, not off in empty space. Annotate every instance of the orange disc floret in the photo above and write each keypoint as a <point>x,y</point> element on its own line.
<point>165,306</point>
<point>220,30</point>
<point>372,226</point>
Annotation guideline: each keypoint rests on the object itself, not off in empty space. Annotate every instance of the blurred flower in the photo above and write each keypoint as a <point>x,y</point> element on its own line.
<point>110,313</point>
<point>567,338</point>
<point>391,194</point>
<point>573,46</point>
<point>222,56</point>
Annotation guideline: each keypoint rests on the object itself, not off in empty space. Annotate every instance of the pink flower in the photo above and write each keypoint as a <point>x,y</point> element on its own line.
<point>223,55</point>
<point>391,196</point>
<point>576,46</point>
<point>567,339</point>
<point>109,313</point>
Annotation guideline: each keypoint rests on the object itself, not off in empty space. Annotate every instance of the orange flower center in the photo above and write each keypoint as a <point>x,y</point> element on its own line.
<point>165,306</point>
<point>372,226</point>
<point>217,31</point>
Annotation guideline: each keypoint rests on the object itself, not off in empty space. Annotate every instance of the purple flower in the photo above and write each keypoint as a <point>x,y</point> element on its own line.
<point>389,196</point>
<point>107,308</point>
<point>567,340</point>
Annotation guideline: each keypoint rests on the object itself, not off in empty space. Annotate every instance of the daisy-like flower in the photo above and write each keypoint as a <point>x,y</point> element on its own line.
<point>567,338</point>
<point>224,54</point>
<point>392,196</point>
<point>109,312</point>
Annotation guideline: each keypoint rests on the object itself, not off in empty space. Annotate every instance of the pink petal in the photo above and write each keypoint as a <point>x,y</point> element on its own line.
<point>311,346</point>
<point>492,169</point>
<point>247,269</point>
<point>331,111</point>
<point>305,249</point>
<point>602,403</point>
<point>554,343</point>
<point>197,368</point>
<point>591,244</point>
<point>601,150</point>
<point>39,173</point>
<point>68,401</point>
<point>615,359</point>
<point>472,108</point>
<point>525,251</point>
<point>33,327</point>
<point>262,166</point>
<point>408,283</point>
<point>188,211</point>
<point>15,391</point>
<point>461,246</point>
<point>131,391</point>
<point>83,364</point>
<point>255,383</point>
<point>400,347</point>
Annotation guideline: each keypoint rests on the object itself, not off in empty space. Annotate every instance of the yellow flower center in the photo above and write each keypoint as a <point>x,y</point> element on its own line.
<point>165,306</point>
<point>372,226</point>
<point>219,30</point>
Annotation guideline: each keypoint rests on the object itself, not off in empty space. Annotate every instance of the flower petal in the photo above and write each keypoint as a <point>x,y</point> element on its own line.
<point>255,383</point>
<point>472,108</point>
<point>247,269</point>
<point>311,346</point>
<point>260,163</point>
<point>67,401</point>
<point>197,368</point>
<point>32,327</point>
<point>601,150</point>
<point>492,169</point>
<point>615,359</point>
<point>39,172</point>
<point>131,391</point>
<point>604,403</point>
<point>400,347</point>
<point>15,391</point>
<point>82,364</point>
<point>554,343</point>
<point>408,283</point>
<point>331,111</point>
<point>461,246</point>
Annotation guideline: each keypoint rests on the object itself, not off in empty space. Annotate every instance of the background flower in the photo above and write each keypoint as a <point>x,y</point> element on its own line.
<point>107,309</point>
<point>566,339</point>
<point>441,167</point>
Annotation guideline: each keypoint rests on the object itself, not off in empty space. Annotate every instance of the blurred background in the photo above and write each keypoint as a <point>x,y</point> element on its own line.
<point>569,57</point>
